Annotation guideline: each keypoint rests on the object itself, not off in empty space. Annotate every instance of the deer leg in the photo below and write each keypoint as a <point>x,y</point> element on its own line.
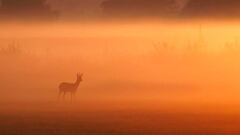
<point>73,95</point>
<point>64,93</point>
<point>59,94</point>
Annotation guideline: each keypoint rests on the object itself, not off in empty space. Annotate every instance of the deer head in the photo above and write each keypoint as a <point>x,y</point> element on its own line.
<point>79,77</point>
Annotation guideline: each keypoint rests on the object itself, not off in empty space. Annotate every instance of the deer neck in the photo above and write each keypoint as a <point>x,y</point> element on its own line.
<point>77,83</point>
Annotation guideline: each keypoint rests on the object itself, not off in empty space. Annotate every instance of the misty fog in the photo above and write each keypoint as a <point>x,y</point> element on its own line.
<point>146,61</point>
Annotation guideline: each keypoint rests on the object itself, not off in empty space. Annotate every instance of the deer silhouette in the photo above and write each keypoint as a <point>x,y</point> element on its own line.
<point>71,88</point>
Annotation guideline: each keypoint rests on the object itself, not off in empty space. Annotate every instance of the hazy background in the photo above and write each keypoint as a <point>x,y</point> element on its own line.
<point>166,67</point>
<point>153,51</point>
<point>156,63</point>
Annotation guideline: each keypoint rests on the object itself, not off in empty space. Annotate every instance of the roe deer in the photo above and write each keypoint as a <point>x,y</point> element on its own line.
<point>70,87</point>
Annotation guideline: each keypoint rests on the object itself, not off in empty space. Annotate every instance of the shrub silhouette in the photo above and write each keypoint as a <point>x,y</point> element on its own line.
<point>26,9</point>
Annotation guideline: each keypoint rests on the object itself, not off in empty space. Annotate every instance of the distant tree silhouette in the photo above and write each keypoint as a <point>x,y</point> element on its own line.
<point>139,8</point>
<point>175,8</point>
<point>26,9</point>
<point>212,8</point>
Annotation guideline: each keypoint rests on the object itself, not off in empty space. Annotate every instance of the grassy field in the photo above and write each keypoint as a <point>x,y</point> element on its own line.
<point>84,120</point>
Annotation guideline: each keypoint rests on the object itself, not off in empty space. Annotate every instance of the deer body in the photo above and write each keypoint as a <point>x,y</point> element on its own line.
<point>71,88</point>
